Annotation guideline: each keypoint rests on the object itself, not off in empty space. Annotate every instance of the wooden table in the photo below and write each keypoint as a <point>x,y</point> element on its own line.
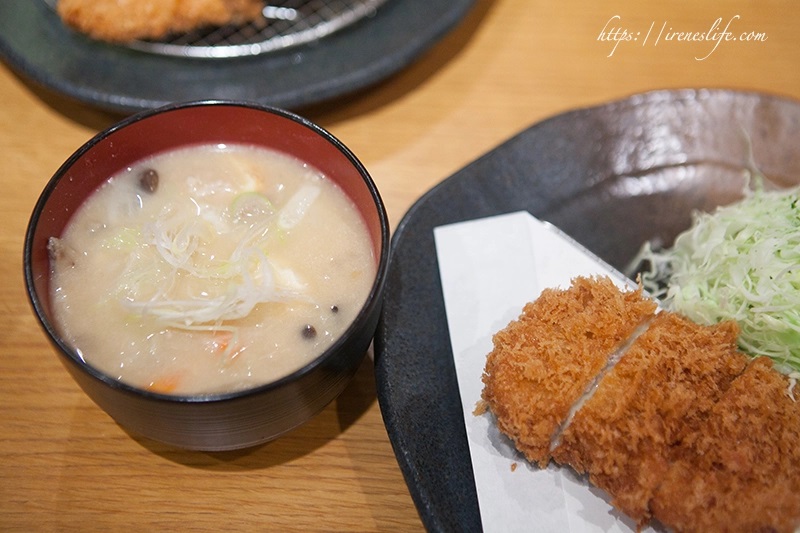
<point>65,465</point>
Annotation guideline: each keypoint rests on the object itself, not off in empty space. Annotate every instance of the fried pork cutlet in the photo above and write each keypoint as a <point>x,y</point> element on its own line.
<point>667,381</point>
<point>543,361</point>
<point>680,425</point>
<point>128,20</point>
<point>741,470</point>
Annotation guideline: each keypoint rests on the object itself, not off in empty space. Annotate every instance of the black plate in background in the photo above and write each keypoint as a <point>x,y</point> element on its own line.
<point>612,177</point>
<point>34,42</point>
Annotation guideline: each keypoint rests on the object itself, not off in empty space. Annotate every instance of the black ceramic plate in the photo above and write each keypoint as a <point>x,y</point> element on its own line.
<point>35,43</point>
<point>612,177</point>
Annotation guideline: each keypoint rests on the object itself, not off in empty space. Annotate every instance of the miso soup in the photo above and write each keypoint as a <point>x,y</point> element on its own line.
<point>210,269</point>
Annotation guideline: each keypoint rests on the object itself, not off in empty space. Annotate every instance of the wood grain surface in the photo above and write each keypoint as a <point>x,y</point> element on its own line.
<point>66,466</point>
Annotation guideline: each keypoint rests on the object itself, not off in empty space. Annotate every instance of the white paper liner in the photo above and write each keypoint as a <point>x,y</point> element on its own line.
<point>490,268</point>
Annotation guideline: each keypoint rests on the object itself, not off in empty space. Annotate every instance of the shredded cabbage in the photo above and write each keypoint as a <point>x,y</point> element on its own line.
<point>742,263</point>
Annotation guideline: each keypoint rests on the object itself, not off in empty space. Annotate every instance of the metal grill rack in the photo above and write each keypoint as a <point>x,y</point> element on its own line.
<point>285,24</point>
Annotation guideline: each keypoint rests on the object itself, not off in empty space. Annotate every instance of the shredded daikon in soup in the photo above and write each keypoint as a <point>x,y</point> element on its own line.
<point>210,269</point>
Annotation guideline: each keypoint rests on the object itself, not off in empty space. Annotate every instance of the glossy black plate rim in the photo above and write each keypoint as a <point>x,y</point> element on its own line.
<point>416,380</point>
<point>35,44</point>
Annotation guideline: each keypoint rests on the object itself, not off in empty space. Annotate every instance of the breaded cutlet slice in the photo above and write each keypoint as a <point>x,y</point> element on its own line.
<point>128,20</point>
<point>542,362</point>
<point>664,385</point>
<point>741,471</point>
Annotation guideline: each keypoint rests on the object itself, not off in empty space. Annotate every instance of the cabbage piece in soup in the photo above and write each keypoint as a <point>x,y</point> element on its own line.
<point>210,269</point>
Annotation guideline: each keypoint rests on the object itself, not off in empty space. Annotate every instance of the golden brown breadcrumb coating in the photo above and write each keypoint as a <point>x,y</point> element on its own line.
<point>664,385</point>
<point>683,427</point>
<point>128,20</point>
<point>741,471</point>
<point>543,361</point>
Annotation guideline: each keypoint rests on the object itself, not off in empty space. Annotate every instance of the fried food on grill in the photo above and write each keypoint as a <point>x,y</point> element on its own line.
<point>128,20</point>
<point>741,470</point>
<point>679,425</point>
<point>542,362</point>
<point>665,385</point>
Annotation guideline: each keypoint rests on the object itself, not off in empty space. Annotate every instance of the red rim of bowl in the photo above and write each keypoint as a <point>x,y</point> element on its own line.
<point>382,246</point>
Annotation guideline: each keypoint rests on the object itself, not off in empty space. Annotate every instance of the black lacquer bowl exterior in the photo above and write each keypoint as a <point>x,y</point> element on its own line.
<point>226,421</point>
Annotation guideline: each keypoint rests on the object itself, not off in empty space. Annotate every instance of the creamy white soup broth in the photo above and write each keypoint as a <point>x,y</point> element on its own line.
<point>210,269</point>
